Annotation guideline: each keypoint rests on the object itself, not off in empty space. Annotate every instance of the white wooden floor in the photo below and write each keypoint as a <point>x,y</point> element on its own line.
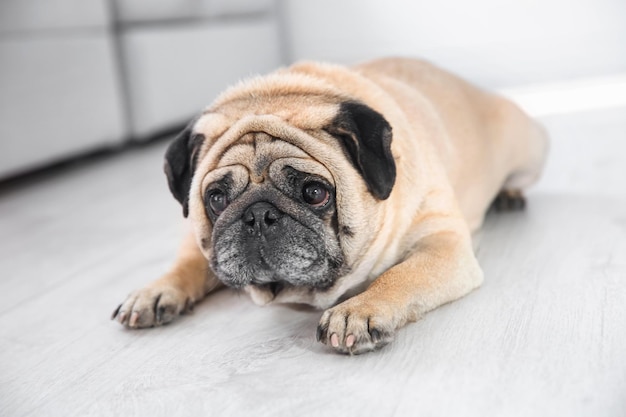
<point>544,336</point>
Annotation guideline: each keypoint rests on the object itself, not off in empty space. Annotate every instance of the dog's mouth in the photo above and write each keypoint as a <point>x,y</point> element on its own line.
<point>274,287</point>
<point>265,293</point>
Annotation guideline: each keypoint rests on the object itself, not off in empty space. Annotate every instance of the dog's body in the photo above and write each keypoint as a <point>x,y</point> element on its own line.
<point>320,184</point>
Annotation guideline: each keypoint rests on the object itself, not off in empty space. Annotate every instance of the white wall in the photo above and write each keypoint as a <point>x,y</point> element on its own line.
<point>498,43</point>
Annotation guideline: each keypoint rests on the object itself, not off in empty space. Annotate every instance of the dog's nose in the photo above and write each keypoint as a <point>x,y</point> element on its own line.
<point>260,217</point>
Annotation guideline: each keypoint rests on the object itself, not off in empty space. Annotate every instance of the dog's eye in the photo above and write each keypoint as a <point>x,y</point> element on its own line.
<point>315,194</point>
<point>218,202</point>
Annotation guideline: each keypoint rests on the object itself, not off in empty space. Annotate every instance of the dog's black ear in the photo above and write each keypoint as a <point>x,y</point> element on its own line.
<point>366,136</point>
<point>180,163</point>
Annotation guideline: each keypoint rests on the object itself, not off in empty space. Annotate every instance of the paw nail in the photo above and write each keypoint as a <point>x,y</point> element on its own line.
<point>334,340</point>
<point>376,335</point>
<point>133,319</point>
<point>188,308</point>
<point>159,314</point>
<point>122,317</point>
<point>115,313</point>
<point>350,340</point>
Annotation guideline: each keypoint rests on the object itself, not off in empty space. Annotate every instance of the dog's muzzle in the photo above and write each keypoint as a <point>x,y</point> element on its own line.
<point>264,245</point>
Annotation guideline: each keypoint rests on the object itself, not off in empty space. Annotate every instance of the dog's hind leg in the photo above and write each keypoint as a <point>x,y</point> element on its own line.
<point>509,200</point>
<point>531,151</point>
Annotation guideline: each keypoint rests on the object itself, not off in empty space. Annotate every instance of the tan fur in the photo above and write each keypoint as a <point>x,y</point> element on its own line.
<point>455,147</point>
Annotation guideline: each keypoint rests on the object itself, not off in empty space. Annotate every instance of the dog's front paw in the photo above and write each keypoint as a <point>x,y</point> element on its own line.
<point>153,305</point>
<point>356,326</point>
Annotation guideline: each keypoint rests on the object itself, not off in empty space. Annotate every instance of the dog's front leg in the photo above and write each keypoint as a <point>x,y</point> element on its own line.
<point>175,293</point>
<point>441,269</point>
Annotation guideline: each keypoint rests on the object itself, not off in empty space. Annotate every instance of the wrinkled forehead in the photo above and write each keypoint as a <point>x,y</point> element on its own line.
<point>258,157</point>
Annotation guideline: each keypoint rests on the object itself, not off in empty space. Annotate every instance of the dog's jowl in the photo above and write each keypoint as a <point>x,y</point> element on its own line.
<point>354,190</point>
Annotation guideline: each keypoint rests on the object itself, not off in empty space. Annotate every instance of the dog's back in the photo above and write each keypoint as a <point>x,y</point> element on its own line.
<point>490,145</point>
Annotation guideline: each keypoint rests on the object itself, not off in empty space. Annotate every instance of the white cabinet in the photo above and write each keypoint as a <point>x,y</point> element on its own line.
<point>59,82</point>
<point>172,73</point>
<point>20,16</point>
<point>77,75</point>
<point>177,55</point>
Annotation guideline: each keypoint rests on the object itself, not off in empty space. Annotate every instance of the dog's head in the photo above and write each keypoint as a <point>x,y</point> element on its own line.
<point>281,185</point>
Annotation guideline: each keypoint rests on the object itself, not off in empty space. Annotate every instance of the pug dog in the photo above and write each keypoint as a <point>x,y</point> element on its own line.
<point>353,190</point>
